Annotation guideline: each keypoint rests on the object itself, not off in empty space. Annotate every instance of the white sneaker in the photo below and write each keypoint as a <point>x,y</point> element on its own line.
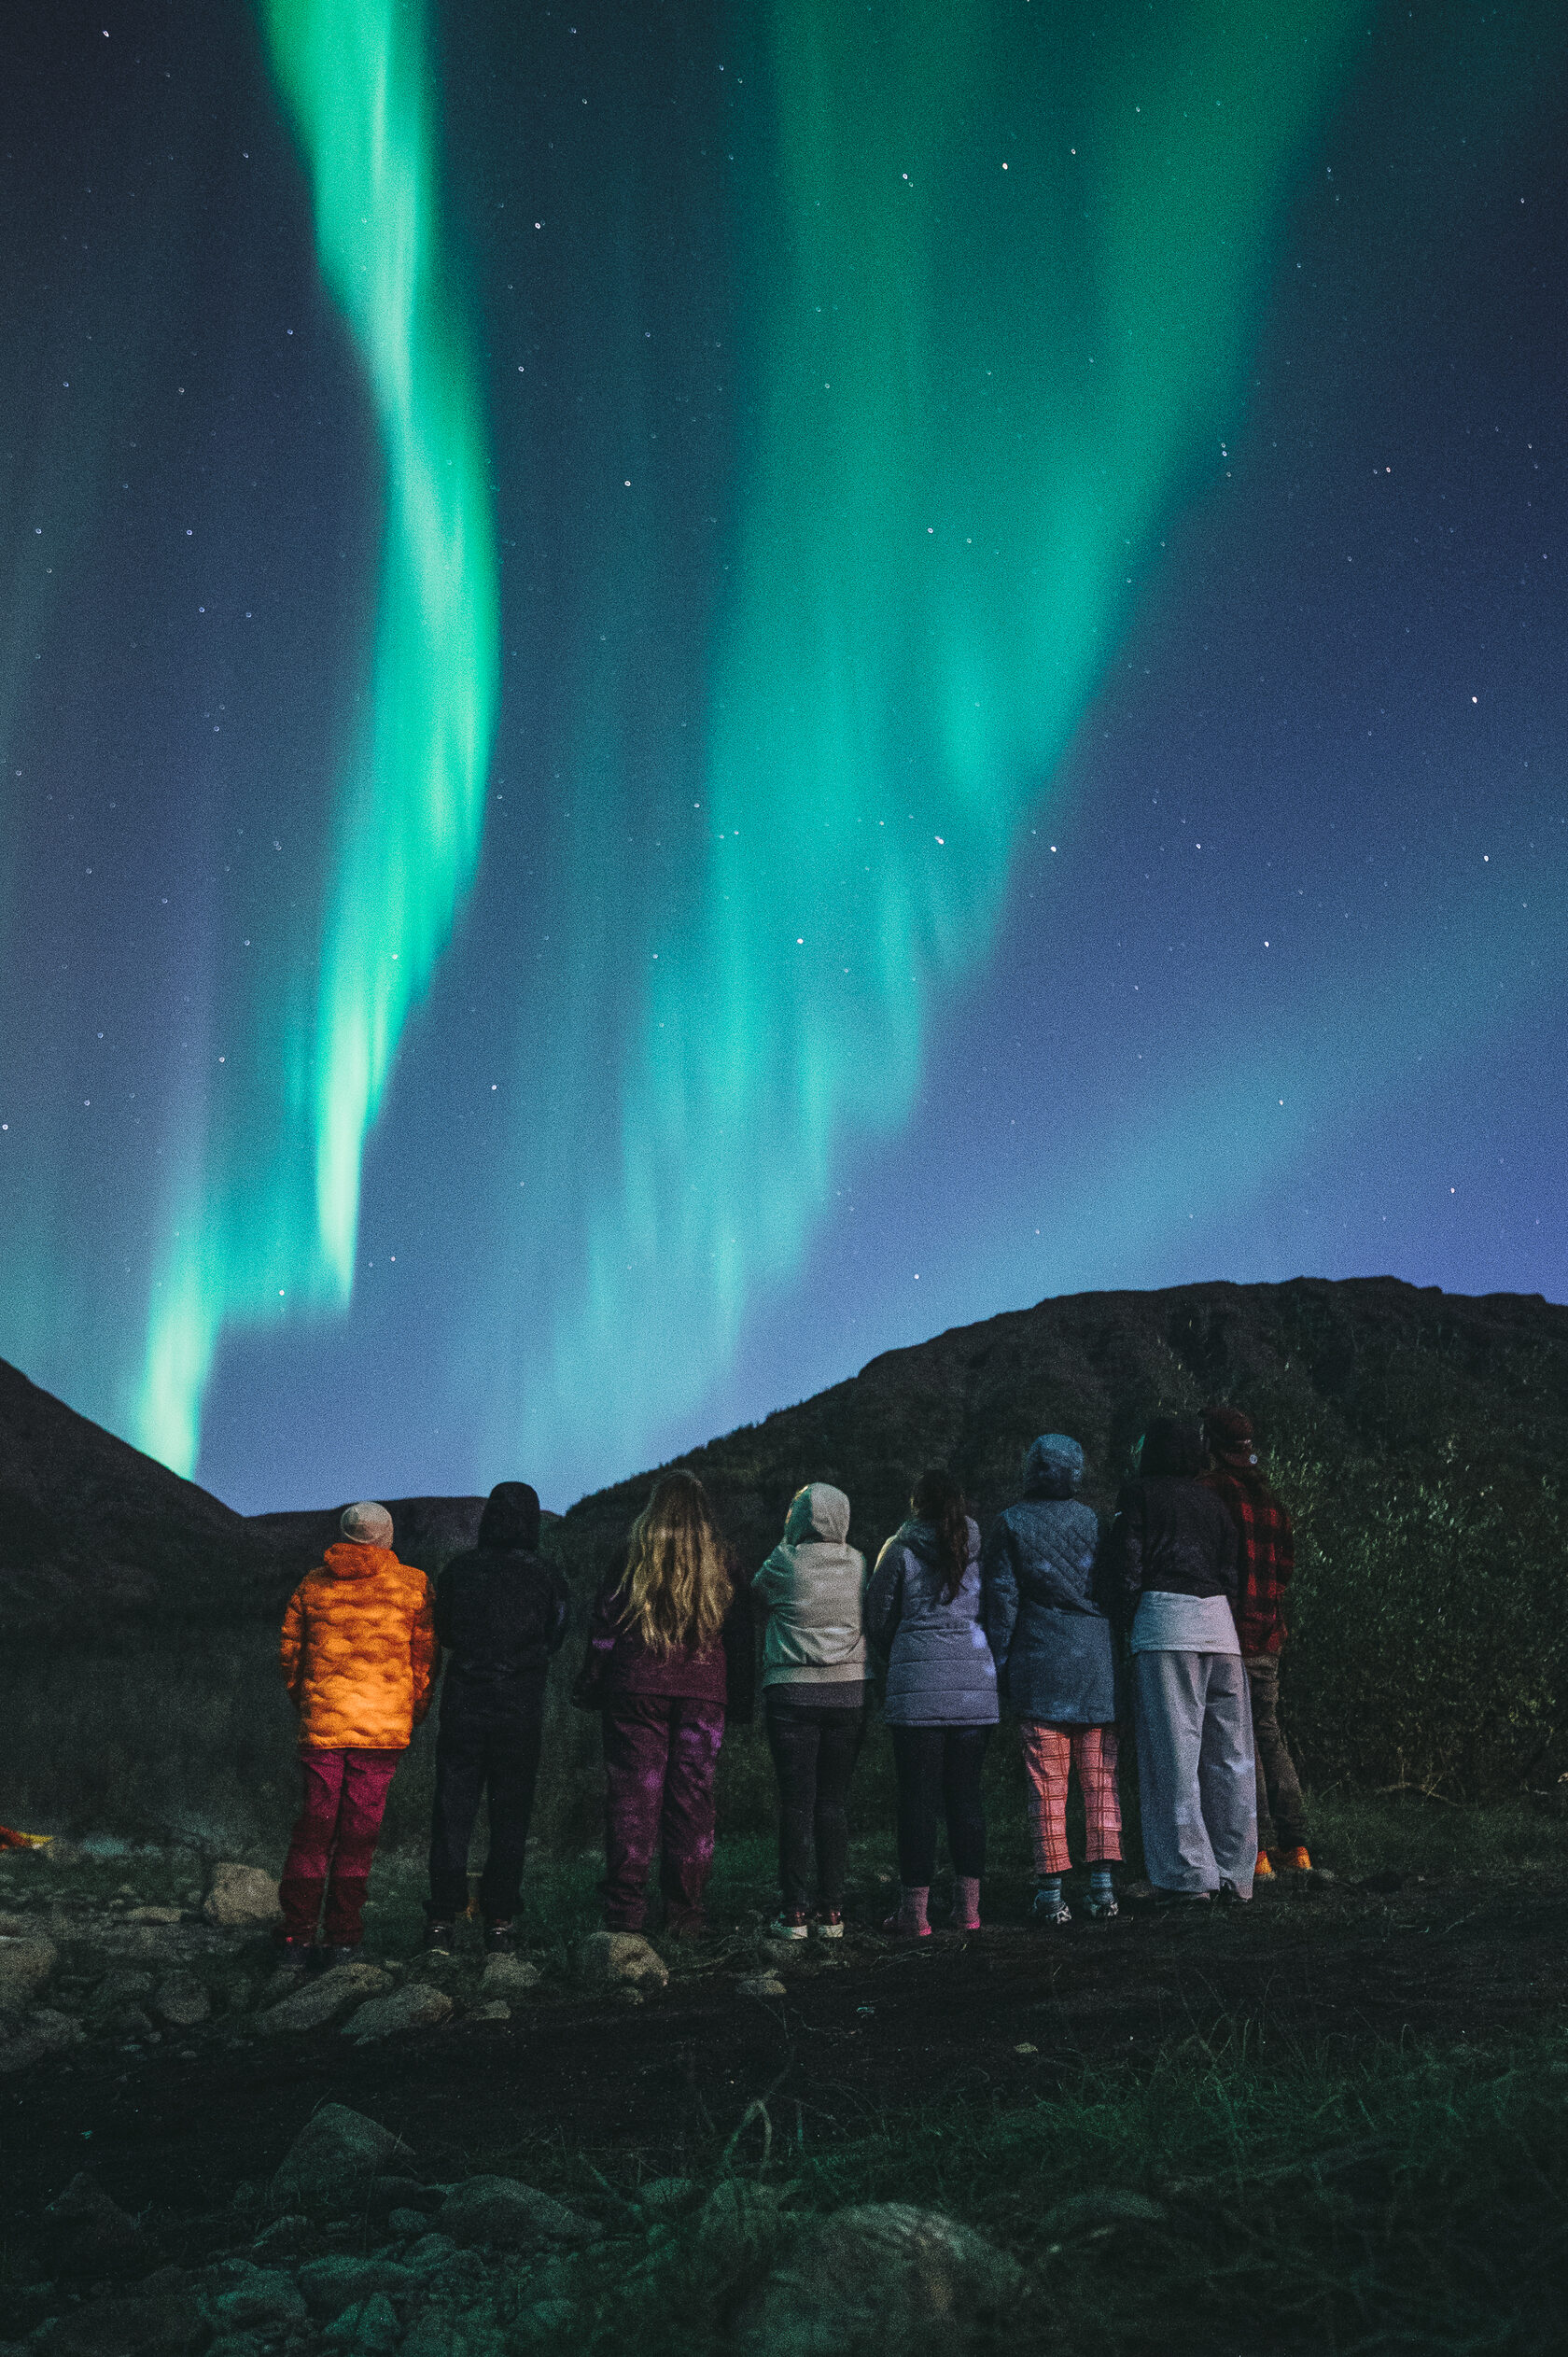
<point>788,1926</point>
<point>829,1927</point>
<point>1050,1911</point>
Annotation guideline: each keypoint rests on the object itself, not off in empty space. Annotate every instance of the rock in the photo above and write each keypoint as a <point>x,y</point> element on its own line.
<point>779,1955</point>
<point>497,2009</point>
<point>85,2215</point>
<point>241,1895</point>
<point>131,2022</point>
<point>510,2215</point>
<point>738,2220</point>
<point>26,1961</point>
<point>285,2236</point>
<point>264,2297</point>
<point>55,2031</point>
<point>620,1959</point>
<point>882,2277</point>
<point>155,1914</point>
<point>392,2192</point>
<point>406,2222</point>
<point>159,2326</point>
<point>509,1976</point>
<point>445,2332</point>
<point>332,2160</point>
<point>323,1999</point>
<point>1097,2213</point>
<point>182,2002</point>
<point>330,2285</point>
<point>661,2197</point>
<point>369,2328</point>
<point>429,2255</point>
<point>762,1984</point>
<point>415,2006</point>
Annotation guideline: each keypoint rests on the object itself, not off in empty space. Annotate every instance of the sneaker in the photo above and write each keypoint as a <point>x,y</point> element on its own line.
<point>1101,1910</point>
<point>1051,1911</point>
<point>1264,1869</point>
<point>789,1923</point>
<point>499,1939</point>
<point>1182,1898</point>
<point>896,1928</point>
<point>828,1924</point>
<point>338,1952</point>
<point>1228,1896</point>
<point>440,1937</point>
<point>1297,1861</point>
<point>295,1955</point>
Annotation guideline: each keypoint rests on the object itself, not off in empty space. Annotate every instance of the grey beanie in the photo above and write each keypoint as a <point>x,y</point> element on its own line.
<point>368,1524</point>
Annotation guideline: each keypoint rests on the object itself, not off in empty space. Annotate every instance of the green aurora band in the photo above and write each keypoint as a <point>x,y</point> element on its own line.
<point>1003,270</point>
<point>265,1216</point>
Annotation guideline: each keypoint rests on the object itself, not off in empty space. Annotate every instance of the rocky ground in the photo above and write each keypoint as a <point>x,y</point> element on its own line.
<point>427,2153</point>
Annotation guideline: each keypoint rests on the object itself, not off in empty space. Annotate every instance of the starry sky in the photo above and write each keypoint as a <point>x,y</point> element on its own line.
<point>687,691</point>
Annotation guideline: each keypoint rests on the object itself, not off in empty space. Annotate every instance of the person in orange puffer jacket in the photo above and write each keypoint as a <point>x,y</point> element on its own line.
<point>358,1653</point>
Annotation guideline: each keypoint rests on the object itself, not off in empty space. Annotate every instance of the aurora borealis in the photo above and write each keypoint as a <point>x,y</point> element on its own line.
<point>688,692</point>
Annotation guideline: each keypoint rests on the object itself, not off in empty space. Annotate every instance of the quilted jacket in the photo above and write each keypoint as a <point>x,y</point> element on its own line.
<point>1045,1614</point>
<point>940,1670</point>
<point>359,1650</point>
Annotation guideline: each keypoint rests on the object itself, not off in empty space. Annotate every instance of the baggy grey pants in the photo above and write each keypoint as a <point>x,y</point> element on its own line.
<point>1196,1781</point>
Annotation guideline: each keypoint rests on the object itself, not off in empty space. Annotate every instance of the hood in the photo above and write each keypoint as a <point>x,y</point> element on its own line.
<point>1053,1466</point>
<point>818,1512</point>
<point>352,1560</point>
<point>510,1524</point>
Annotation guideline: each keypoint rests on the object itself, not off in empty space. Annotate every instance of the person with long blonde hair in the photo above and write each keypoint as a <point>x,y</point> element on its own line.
<point>669,1656</point>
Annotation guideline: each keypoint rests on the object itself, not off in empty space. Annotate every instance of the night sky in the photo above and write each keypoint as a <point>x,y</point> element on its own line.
<point>686,692</point>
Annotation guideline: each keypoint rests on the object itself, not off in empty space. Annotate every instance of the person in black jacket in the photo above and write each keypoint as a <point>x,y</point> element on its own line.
<point>501,1613</point>
<point>1174,1564</point>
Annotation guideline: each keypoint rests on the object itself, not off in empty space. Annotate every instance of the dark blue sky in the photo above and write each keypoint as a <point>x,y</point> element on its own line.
<point>1287,993</point>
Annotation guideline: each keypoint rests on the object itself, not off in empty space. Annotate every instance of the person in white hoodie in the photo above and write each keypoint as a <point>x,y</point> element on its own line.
<point>814,1672</point>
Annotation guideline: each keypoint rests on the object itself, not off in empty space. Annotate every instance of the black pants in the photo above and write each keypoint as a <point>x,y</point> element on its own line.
<point>498,1756</point>
<point>939,1770</point>
<point>814,1754</point>
<point>1281,1814</point>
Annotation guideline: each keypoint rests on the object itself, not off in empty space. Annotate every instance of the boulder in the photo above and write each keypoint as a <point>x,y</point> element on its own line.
<point>509,1976</point>
<point>181,2000</point>
<point>165,2326</point>
<point>25,2040</point>
<point>457,2332</point>
<point>265,2299</point>
<point>331,2285</point>
<point>510,2215</point>
<point>323,1999</point>
<point>240,1896</point>
<point>415,2006</point>
<point>495,2009</point>
<point>762,1984</point>
<point>883,2277</point>
<point>369,2328</point>
<point>332,2160</point>
<point>622,1959</point>
<point>155,1914</point>
<point>84,2225</point>
<point>26,1961</point>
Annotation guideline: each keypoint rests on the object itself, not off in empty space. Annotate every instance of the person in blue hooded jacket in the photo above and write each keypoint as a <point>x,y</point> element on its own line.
<point>1051,1638</point>
<point>922,1613</point>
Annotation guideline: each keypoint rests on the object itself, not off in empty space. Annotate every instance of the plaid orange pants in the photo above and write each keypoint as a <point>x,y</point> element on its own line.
<point>1049,1753</point>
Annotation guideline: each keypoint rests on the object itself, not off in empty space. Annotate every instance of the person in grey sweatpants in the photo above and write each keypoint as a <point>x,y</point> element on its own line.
<point>1176,1563</point>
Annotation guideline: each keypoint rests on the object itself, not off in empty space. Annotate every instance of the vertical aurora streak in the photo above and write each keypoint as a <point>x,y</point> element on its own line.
<point>1005,267</point>
<point>271,1206</point>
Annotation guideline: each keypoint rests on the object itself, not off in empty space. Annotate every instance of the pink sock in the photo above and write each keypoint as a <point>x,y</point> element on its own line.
<point>912,1906</point>
<point>966,1903</point>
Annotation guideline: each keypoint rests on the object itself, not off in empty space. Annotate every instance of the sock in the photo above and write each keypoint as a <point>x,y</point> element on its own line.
<point>1099,1881</point>
<point>1049,1890</point>
<point>966,1900</point>
<point>912,1905</point>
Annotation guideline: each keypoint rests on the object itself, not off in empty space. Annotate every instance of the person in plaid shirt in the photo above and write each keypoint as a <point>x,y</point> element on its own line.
<point>1267,1560</point>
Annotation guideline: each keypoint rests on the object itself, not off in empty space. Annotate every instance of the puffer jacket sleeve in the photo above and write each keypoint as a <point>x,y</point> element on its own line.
<point>291,1645</point>
<point>999,1592</point>
<point>424,1652</point>
<point>884,1597</point>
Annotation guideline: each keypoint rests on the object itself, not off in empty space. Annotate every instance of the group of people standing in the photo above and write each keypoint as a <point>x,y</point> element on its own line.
<point>1175,1610</point>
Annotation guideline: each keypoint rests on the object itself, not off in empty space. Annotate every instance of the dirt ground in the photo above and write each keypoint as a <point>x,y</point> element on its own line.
<point>860,2034</point>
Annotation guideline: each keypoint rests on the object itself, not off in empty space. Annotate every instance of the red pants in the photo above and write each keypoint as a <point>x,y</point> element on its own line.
<point>335,1836</point>
<point>1048,1753</point>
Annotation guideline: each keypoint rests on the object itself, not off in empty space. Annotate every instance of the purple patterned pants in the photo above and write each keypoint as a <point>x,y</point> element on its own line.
<point>660,1756</point>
